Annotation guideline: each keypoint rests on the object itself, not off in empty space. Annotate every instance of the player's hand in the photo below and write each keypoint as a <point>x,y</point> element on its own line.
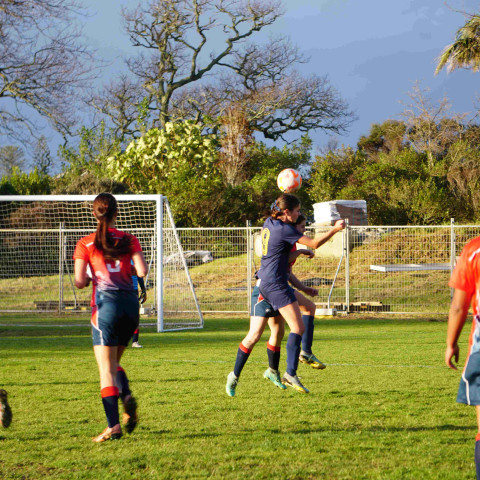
<point>451,352</point>
<point>143,296</point>
<point>88,280</point>
<point>339,225</point>
<point>312,292</point>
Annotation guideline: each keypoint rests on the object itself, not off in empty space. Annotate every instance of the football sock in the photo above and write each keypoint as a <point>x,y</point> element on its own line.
<point>242,356</point>
<point>135,336</point>
<point>273,356</point>
<point>123,384</point>
<point>293,351</point>
<point>110,405</point>
<point>307,338</point>
<point>477,455</point>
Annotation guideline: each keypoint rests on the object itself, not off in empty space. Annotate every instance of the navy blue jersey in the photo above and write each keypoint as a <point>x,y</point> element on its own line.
<point>277,241</point>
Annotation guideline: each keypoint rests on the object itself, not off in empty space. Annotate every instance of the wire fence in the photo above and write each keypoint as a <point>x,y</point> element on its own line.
<point>388,269</point>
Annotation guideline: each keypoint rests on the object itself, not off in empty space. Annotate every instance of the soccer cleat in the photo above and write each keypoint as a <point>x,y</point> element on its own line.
<point>113,433</point>
<point>312,360</point>
<point>274,377</point>
<point>232,381</point>
<point>136,345</point>
<point>5,410</point>
<point>294,382</point>
<point>130,418</point>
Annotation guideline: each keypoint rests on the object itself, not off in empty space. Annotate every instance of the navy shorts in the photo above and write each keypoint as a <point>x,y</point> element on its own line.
<point>260,307</point>
<point>278,295</point>
<point>469,389</point>
<point>114,317</point>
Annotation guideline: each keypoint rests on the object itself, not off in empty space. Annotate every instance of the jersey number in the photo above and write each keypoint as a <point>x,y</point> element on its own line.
<point>265,238</point>
<point>114,268</point>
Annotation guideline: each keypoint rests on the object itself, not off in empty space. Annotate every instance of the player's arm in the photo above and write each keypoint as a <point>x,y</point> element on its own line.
<point>81,278</point>
<point>456,319</point>
<point>301,251</point>
<point>319,241</point>
<point>142,296</point>
<point>140,264</point>
<point>301,287</point>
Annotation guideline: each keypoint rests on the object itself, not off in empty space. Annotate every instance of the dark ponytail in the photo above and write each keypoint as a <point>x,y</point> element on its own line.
<point>284,202</point>
<point>105,209</point>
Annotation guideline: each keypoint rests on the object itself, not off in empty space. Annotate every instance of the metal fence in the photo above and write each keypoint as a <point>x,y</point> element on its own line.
<point>389,269</point>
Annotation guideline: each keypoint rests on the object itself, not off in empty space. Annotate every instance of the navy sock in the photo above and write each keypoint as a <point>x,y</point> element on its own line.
<point>307,338</point>
<point>135,336</point>
<point>293,351</point>
<point>242,356</point>
<point>273,356</point>
<point>110,405</point>
<point>477,455</point>
<point>123,384</point>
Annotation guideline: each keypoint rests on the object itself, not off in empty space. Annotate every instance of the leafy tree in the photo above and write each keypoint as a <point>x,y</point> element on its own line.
<point>21,183</point>
<point>464,52</point>
<point>11,157</point>
<point>42,64</point>
<point>178,162</point>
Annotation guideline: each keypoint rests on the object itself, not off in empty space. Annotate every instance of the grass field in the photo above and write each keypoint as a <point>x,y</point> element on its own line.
<point>383,409</point>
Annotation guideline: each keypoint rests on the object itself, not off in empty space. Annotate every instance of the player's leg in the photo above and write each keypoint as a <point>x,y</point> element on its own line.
<point>135,343</point>
<point>105,316</point>
<point>5,410</point>
<point>307,307</point>
<point>292,315</point>
<point>257,326</point>
<point>127,327</point>
<point>277,332</point>
<point>107,365</point>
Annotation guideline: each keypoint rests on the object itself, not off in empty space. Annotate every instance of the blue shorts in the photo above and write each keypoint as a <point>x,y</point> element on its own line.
<point>469,389</point>
<point>114,317</point>
<point>278,295</point>
<point>260,307</point>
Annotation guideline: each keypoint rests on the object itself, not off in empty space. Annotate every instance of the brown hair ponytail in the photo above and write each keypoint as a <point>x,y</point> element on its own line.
<point>105,209</point>
<point>284,202</point>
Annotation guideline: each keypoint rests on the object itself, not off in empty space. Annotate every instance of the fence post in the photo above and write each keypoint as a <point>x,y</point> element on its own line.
<point>453,248</point>
<point>61,255</point>
<point>346,251</point>
<point>249,266</point>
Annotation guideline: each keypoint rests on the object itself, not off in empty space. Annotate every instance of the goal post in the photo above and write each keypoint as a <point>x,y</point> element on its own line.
<point>38,234</point>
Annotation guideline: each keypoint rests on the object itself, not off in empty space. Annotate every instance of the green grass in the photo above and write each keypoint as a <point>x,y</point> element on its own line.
<point>383,409</point>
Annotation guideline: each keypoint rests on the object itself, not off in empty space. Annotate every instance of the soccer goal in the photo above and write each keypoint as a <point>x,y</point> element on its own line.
<point>38,234</point>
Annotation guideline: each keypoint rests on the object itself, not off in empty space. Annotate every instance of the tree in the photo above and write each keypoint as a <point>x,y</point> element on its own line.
<point>42,66</point>
<point>195,64</point>
<point>42,158</point>
<point>464,52</point>
<point>11,157</point>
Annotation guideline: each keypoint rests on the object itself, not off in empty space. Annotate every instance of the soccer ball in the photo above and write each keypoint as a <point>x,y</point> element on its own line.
<point>289,180</point>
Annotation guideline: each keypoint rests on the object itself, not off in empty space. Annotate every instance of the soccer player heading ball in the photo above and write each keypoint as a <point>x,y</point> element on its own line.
<point>278,237</point>
<point>115,308</point>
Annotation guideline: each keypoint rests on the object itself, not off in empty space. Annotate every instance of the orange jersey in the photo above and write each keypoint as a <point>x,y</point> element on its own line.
<point>107,274</point>
<point>466,275</point>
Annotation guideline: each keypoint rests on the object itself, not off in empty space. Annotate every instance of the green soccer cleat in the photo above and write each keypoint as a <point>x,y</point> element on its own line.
<point>274,377</point>
<point>312,360</point>
<point>5,410</point>
<point>295,383</point>
<point>232,381</point>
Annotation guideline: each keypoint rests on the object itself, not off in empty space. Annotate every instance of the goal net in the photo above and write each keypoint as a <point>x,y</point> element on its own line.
<point>38,234</point>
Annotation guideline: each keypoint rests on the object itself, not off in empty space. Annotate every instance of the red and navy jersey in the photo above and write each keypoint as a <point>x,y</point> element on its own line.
<point>277,240</point>
<point>108,274</point>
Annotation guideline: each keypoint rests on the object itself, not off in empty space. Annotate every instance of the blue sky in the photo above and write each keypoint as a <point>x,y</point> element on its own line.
<point>372,50</point>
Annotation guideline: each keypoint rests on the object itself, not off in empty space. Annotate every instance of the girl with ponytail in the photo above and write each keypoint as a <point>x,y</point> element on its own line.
<point>108,254</point>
